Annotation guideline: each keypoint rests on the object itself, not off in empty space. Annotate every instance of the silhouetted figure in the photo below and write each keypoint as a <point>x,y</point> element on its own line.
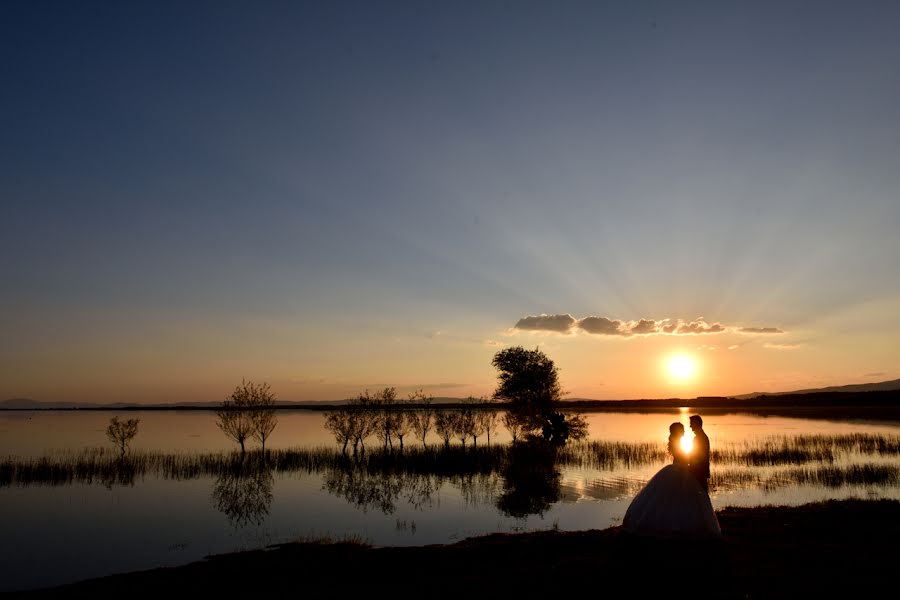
<point>700,453</point>
<point>673,503</point>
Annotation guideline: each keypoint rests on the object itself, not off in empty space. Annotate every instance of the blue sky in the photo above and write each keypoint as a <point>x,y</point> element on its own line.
<point>196,192</point>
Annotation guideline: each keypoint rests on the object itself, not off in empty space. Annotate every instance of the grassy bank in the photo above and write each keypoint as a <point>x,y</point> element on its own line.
<point>835,549</point>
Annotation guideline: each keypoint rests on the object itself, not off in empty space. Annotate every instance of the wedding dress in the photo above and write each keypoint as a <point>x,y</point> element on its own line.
<point>672,504</point>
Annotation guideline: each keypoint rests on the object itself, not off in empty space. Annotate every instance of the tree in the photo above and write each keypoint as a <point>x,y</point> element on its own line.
<point>488,418</point>
<point>444,423</point>
<point>121,433</point>
<point>529,382</point>
<point>248,411</point>
<point>261,402</point>
<point>421,419</point>
<point>512,425</point>
<point>340,423</point>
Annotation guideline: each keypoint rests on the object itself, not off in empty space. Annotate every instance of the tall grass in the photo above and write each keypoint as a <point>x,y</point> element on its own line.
<point>816,454</point>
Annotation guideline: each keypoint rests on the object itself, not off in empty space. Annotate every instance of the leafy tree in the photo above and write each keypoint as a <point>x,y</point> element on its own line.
<point>529,382</point>
<point>121,433</point>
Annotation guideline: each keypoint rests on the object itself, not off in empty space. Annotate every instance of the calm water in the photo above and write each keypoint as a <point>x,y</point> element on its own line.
<point>53,534</point>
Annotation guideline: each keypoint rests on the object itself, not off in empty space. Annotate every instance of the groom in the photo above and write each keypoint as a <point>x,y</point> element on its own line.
<point>700,453</point>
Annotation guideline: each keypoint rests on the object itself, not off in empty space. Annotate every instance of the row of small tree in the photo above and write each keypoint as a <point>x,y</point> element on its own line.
<point>388,419</point>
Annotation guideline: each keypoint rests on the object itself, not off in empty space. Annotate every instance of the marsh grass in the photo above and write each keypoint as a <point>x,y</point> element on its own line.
<point>816,459</point>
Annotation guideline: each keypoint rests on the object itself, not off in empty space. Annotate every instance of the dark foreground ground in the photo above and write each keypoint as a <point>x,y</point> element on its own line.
<point>848,549</point>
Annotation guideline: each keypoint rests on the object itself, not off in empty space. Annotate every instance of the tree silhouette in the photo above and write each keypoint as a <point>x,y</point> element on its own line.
<point>422,420</point>
<point>248,412</point>
<point>261,402</point>
<point>529,382</point>
<point>121,433</point>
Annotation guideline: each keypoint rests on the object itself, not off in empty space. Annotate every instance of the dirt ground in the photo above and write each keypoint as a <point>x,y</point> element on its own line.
<point>844,549</point>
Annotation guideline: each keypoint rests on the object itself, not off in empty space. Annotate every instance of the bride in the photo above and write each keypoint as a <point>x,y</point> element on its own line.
<point>673,502</point>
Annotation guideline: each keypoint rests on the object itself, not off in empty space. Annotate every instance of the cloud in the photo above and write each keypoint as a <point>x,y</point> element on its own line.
<point>558,323</point>
<point>699,326</point>
<point>603,326</point>
<point>781,346</point>
<point>645,326</point>
<point>877,374</point>
<point>596,325</point>
<point>734,347</point>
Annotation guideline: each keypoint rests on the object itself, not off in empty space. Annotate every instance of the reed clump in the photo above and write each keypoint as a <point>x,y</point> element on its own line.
<point>816,458</point>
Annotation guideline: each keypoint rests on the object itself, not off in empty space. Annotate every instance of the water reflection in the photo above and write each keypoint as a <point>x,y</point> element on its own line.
<point>244,494</point>
<point>379,491</point>
<point>531,480</point>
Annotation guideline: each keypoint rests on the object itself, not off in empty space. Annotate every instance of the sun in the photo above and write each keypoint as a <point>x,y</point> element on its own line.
<point>681,367</point>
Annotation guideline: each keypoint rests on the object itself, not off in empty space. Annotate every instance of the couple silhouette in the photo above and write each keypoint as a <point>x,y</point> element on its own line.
<point>675,502</point>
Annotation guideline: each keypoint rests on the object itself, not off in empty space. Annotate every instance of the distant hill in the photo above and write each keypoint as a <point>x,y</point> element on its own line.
<point>882,386</point>
<point>29,404</point>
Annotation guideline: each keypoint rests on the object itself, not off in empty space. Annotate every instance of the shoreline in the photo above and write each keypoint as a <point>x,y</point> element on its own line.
<point>826,549</point>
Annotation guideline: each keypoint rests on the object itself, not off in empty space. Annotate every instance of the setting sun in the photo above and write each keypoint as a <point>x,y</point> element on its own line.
<point>681,367</point>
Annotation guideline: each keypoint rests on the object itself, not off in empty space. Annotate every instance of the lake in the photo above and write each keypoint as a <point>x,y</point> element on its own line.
<point>180,500</point>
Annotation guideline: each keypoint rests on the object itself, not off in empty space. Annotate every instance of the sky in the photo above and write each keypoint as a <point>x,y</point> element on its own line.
<point>340,196</point>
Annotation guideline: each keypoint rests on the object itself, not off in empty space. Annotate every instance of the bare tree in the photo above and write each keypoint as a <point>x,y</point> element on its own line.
<point>261,401</point>
<point>340,423</point>
<point>444,423</point>
<point>248,411</point>
<point>472,419</point>
<point>385,400</point>
<point>403,424</point>
<point>121,433</point>
<point>364,420</point>
<point>235,422</point>
<point>422,419</point>
<point>489,420</point>
<point>513,425</point>
<point>462,425</point>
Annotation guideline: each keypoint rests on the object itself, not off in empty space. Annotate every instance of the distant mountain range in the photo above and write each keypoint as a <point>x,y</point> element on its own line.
<point>882,386</point>
<point>28,404</point>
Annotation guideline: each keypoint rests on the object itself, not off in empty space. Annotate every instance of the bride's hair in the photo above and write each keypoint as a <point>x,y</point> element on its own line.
<point>676,432</point>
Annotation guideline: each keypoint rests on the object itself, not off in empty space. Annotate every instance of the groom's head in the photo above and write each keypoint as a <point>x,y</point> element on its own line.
<point>696,422</point>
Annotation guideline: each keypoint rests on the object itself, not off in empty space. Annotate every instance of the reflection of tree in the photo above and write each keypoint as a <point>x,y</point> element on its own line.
<point>379,490</point>
<point>244,494</point>
<point>531,481</point>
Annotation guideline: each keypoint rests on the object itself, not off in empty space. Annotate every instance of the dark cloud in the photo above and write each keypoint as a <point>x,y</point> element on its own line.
<point>603,326</point>
<point>645,326</point>
<point>699,326</point>
<point>558,323</point>
<point>606,326</point>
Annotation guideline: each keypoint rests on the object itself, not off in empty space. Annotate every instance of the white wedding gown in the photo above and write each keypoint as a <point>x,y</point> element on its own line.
<point>672,504</point>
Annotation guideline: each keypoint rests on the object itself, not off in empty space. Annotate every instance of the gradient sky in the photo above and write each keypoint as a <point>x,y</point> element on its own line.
<point>336,196</point>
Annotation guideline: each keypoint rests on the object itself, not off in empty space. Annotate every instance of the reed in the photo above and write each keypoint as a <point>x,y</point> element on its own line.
<point>817,459</point>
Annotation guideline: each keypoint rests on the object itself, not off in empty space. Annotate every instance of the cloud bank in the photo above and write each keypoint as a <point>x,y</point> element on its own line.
<point>594,325</point>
